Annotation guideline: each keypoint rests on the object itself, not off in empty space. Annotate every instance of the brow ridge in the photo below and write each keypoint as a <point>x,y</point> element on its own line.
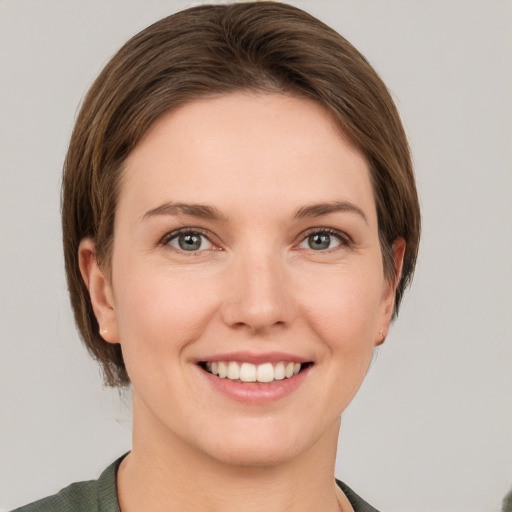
<point>213,213</point>
<point>194,210</point>
<point>319,209</point>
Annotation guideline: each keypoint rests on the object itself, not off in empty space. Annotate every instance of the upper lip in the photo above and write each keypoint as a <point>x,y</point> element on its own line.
<point>254,358</point>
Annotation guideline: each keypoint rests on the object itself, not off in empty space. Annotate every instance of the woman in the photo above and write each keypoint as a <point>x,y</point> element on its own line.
<point>240,221</point>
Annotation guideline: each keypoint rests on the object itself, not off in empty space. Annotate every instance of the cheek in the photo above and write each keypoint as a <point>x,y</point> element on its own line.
<point>344,306</point>
<point>160,310</point>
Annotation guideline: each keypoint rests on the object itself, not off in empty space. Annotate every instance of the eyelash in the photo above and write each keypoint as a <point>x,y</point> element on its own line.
<point>187,231</point>
<point>343,239</point>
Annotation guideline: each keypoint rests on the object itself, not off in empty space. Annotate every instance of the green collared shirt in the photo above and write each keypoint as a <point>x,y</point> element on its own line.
<point>101,496</point>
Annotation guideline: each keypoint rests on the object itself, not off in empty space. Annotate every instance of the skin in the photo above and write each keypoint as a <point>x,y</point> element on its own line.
<point>256,285</point>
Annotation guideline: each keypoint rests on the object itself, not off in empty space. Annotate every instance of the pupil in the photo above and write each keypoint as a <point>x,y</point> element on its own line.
<point>320,241</point>
<point>189,242</point>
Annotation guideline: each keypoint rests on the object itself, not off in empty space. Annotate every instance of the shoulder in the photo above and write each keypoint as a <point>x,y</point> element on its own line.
<point>358,504</point>
<point>92,496</point>
<point>79,497</point>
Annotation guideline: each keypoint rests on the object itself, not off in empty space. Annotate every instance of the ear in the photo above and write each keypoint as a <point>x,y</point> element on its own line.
<point>390,289</point>
<point>100,291</point>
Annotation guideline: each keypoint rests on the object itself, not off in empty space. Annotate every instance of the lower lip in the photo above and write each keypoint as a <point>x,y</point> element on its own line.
<point>256,392</point>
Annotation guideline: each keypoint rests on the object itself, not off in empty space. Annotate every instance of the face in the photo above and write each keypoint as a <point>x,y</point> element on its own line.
<point>247,288</point>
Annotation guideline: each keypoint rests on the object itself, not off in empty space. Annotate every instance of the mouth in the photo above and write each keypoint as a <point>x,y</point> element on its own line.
<point>246,372</point>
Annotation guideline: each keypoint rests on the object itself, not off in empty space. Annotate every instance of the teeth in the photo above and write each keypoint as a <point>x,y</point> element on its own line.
<point>248,372</point>
<point>223,370</point>
<point>279,371</point>
<point>233,370</point>
<point>265,372</point>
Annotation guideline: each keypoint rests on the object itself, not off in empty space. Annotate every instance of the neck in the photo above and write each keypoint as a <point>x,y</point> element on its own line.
<point>163,473</point>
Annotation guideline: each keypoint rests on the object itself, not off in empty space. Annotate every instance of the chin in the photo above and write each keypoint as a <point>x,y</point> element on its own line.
<point>267,447</point>
<point>252,455</point>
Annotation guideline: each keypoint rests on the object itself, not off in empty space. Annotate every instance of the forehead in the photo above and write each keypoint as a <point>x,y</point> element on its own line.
<point>243,149</point>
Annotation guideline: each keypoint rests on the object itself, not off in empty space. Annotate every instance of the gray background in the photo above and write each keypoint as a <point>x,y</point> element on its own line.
<point>431,429</point>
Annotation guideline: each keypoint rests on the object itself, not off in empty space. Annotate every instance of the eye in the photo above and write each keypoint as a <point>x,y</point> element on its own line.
<point>322,241</point>
<point>190,241</point>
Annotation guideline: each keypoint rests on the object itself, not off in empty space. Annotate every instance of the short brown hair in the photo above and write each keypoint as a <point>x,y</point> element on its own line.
<point>212,50</point>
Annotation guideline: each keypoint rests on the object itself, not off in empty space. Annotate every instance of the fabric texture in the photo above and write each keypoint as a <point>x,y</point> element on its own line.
<point>91,496</point>
<point>358,504</point>
<point>101,496</point>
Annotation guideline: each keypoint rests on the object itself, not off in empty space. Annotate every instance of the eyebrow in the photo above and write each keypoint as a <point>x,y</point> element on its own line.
<point>195,210</point>
<point>319,209</point>
<point>211,213</point>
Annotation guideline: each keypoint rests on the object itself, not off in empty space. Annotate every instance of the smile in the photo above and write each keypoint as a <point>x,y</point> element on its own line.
<point>248,372</point>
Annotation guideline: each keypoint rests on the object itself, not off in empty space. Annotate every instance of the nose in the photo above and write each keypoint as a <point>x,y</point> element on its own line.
<point>258,296</point>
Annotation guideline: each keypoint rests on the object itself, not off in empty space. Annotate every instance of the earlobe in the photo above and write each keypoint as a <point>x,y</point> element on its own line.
<point>100,291</point>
